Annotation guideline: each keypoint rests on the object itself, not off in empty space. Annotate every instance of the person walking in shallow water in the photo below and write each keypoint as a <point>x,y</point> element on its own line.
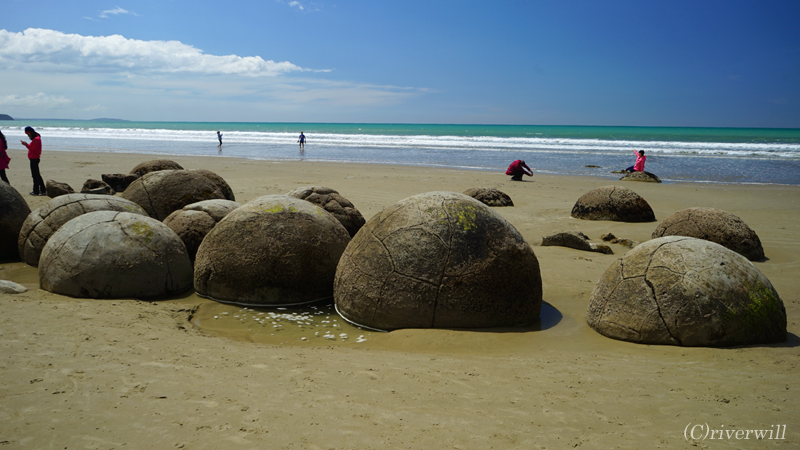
<point>219,136</point>
<point>302,141</point>
<point>35,155</point>
<point>4,159</point>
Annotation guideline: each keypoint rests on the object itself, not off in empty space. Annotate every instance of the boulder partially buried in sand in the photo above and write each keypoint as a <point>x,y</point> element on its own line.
<point>438,260</point>
<point>99,187</point>
<point>109,254</point>
<point>490,196</point>
<point>119,181</point>
<point>40,225</point>
<point>164,191</point>
<point>334,203</point>
<point>56,189</point>
<point>576,240</point>
<point>713,225</point>
<point>646,177</point>
<point>155,165</point>
<point>275,250</point>
<point>193,222</point>
<point>218,181</point>
<point>13,212</point>
<point>686,291</point>
<point>613,203</point>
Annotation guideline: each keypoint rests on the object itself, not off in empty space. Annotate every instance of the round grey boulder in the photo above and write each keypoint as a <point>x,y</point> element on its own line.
<point>490,196</point>
<point>109,254</point>
<point>334,203</point>
<point>193,222</point>
<point>713,225</point>
<point>218,181</point>
<point>162,192</point>
<point>46,220</point>
<point>275,250</point>
<point>646,177</point>
<point>613,203</point>
<point>155,165</point>
<point>438,260</point>
<point>686,291</point>
<point>13,212</point>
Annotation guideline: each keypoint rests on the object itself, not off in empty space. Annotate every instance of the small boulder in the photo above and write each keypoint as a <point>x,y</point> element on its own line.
<point>55,189</point>
<point>9,287</point>
<point>97,187</point>
<point>576,240</point>
<point>155,165</point>
<point>110,254</point>
<point>13,212</point>
<point>613,203</point>
<point>164,191</point>
<point>193,222</point>
<point>40,225</point>
<point>218,181</point>
<point>119,181</point>
<point>609,237</point>
<point>686,291</point>
<point>646,177</point>
<point>334,203</point>
<point>490,196</point>
<point>714,225</point>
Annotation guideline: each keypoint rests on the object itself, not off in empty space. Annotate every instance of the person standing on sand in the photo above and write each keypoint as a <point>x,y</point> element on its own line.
<point>517,169</point>
<point>639,165</point>
<point>219,136</point>
<point>35,155</point>
<point>4,159</point>
<point>302,141</point>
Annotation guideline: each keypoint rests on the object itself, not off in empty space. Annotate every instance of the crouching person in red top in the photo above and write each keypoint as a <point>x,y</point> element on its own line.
<point>517,169</point>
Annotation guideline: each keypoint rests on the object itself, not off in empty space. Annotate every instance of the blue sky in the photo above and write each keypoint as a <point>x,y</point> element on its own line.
<point>678,63</point>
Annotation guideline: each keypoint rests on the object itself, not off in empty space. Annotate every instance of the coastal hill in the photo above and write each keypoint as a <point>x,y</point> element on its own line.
<point>5,117</point>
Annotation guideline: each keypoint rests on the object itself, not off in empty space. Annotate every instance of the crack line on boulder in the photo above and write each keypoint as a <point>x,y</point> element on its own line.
<point>444,267</point>
<point>655,299</point>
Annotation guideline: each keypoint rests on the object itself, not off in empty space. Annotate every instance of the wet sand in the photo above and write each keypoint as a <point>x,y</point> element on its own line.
<point>105,374</point>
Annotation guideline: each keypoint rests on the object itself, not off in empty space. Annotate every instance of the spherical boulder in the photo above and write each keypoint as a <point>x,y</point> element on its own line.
<point>193,222</point>
<point>40,225</point>
<point>613,203</point>
<point>438,260</point>
<point>334,203</point>
<point>275,250</point>
<point>686,291</point>
<point>218,181</point>
<point>164,191</point>
<point>109,254</point>
<point>155,165</point>
<point>713,225</point>
<point>645,177</point>
<point>13,212</point>
<point>490,196</point>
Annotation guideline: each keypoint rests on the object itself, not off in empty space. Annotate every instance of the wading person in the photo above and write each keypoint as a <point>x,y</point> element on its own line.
<point>35,155</point>
<point>517,169</point>
<point>302,141</point>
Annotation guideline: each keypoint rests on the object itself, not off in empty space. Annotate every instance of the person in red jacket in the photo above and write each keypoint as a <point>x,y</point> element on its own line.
<point>35,155</point>
<point>517,169</point>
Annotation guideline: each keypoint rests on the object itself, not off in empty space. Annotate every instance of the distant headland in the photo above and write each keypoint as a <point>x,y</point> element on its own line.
<point>5,117</point>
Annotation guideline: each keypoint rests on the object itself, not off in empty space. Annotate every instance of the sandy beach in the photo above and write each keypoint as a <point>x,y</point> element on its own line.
<point>111,374</point>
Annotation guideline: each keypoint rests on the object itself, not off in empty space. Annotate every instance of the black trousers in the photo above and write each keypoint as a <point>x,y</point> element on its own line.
<point>38,183</point>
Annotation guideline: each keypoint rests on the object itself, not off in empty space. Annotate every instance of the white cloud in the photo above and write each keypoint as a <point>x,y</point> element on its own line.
<point>296,5</point>
<point>114,12</point>
<point>36,100</point>
<point>42,49</point>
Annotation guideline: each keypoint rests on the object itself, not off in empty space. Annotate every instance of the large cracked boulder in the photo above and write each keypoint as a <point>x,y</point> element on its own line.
<point>164,191</point>
<point>13,212</point>
<point>193,222</point>
<point>155,165</point>
<point>109,254</point>
<point>331,201</point>
<point>613,203</point>
<point>218,181</point>
<point>40,225</point>
<point>686,291</point>
<point>275,250</point>
<point>438,260</point>
<point>713,225</point>
<point>490,196</point>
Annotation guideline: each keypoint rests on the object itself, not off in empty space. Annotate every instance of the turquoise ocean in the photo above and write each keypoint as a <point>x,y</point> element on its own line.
<point>703,155</point>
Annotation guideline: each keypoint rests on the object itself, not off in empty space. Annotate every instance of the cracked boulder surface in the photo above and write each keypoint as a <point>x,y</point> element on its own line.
<point>14,210</point>
<point>714,225</point>
<point>218,181</point>
<point>689,292</point>
<point>193,222</point>
<point>110,255</point>
<point>490,196</point>
<point>438,260</point>
<point>275,250</point>
<point>331,201</point>
<point>162,192</point>
<point>46,220</point>
<point>613,203</point>
<point>155,165</point>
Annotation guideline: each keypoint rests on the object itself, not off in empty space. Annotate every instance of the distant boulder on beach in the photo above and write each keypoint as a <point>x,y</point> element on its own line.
<point>646,177</point>
<point>490,196</point>
<point>613,203</point>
